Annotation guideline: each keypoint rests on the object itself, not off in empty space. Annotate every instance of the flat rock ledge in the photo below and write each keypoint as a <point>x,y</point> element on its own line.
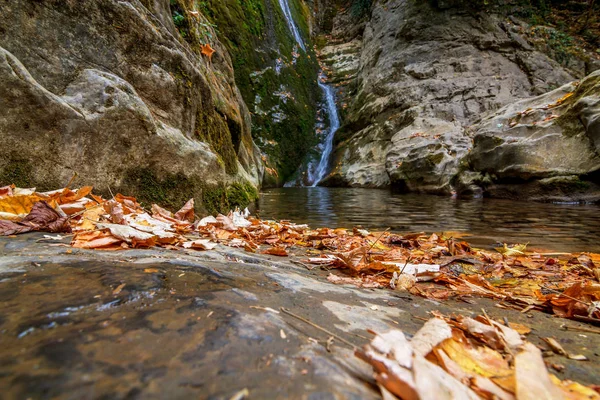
<point>173,324</point>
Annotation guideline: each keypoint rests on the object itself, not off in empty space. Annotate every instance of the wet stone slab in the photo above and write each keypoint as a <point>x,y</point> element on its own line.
<point>78,324</point>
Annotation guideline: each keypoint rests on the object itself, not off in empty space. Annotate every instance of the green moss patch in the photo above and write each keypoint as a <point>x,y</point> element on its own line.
<point>257,36</point>
<point>173,190</point>
<point>222,198</point>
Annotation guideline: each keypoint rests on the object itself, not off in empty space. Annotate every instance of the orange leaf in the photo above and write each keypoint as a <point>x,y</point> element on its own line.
<point>276,251</point>
<point>207,50</point>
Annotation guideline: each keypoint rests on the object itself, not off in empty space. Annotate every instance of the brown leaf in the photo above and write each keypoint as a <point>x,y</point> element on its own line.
<point>6,190</point>
<point>130,235</point>
<point>187,212</point>
<point>41,218</point>
<point>226,223</point>
<point>8,228</point>
<point>200,244</point>
<point>95,240</point>
<point>276,251</point>
<point>115,211</point>
<point>353,258</point>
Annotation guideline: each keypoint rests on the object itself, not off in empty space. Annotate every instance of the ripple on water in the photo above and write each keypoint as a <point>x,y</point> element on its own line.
<point>557,227</point>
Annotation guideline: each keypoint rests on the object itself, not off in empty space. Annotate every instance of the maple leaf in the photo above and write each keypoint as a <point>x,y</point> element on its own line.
<point>207,50</point>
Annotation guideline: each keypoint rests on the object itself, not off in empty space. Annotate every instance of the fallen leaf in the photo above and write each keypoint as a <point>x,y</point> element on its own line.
<point>532,379</point>
<point>207,50</point>
<point>118,289</point>
<point>186,213</point>
<point>555,346</point>
<point>130,235</point>
<point>276,251</point>
<point>200,244</point>
<point>95,240</point>
<point>15,208</point>
<point>434,332</point>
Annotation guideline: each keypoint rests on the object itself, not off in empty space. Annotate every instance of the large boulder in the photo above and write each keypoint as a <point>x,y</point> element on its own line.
<point>545,148</point>
<point>426,75</point>
<point>115,92</point>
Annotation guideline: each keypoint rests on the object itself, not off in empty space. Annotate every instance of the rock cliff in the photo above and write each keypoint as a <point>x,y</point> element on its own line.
<point>417,81</point>
<point>277,77</point>
<point>120,93</point>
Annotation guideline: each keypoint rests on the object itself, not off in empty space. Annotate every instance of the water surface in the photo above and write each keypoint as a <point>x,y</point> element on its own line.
<point>554,227</point>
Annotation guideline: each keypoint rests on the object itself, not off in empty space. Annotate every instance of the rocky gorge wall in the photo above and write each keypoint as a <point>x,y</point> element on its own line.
<point>277,78</point>
<point>416,82</point>
<point>117,93</point>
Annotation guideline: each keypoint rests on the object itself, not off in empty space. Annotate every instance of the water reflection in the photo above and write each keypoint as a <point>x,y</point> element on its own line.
<point>488,221</point>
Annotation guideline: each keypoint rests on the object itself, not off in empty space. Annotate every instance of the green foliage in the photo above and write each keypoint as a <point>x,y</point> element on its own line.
<point>561,44</point>
<point>210,128</point>
<point>178,19</point>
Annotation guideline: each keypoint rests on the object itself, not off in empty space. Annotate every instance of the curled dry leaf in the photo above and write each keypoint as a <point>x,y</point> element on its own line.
<point>130,235</point>
<point>42,217</point>
<point>96,240</point>
<point>533,381</point>
<point>276,251</point>
<point>186,213</point>
<point>441,363</point>
<point>200,244</point>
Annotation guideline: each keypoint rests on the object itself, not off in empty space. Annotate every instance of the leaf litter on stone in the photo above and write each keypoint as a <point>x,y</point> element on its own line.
<point>449,359</point>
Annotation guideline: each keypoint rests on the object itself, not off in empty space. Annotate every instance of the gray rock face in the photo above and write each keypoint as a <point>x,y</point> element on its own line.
<point>108,89</point>
<point>426,76</point>
<point>551,143</point>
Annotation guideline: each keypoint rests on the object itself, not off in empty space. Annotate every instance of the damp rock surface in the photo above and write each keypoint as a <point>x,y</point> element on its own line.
<point>176,324</point>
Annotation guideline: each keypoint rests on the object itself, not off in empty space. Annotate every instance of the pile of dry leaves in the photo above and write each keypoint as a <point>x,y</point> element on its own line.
<point>433,266</point>
<point>465,358</point>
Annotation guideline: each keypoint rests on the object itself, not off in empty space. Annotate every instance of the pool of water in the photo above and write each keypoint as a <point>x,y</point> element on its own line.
<point>553,227</point>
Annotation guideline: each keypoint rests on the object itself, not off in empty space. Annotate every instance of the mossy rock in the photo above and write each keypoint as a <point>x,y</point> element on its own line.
<point>222,198</point>
<point>256,35</point>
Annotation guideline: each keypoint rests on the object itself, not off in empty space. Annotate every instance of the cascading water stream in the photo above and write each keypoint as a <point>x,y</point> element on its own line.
<point>287,13</point>
<point>334,124</point>
<point>334,120</point>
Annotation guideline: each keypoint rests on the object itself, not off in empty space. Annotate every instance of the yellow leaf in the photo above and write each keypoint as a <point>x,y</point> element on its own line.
<point>90,217</point>
<point>15,208</point>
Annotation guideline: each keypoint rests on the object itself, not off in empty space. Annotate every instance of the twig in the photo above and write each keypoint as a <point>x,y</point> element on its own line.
<point>77,214</point>
<point>308,267</point>
<point>71,181</point>
<point>373,245</point>
<point>405,264</point>
<point>341,339</point>
<point>566,295</point>
<point>589,320</point>
<point>574,328</point>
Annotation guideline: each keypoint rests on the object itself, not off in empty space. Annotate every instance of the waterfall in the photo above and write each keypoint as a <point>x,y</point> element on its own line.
<point>287,13</point>
<point>334,124</point>
<point>334,121</point>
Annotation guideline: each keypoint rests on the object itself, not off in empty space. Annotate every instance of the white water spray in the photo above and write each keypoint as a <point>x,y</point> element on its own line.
<point>334,120</point>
